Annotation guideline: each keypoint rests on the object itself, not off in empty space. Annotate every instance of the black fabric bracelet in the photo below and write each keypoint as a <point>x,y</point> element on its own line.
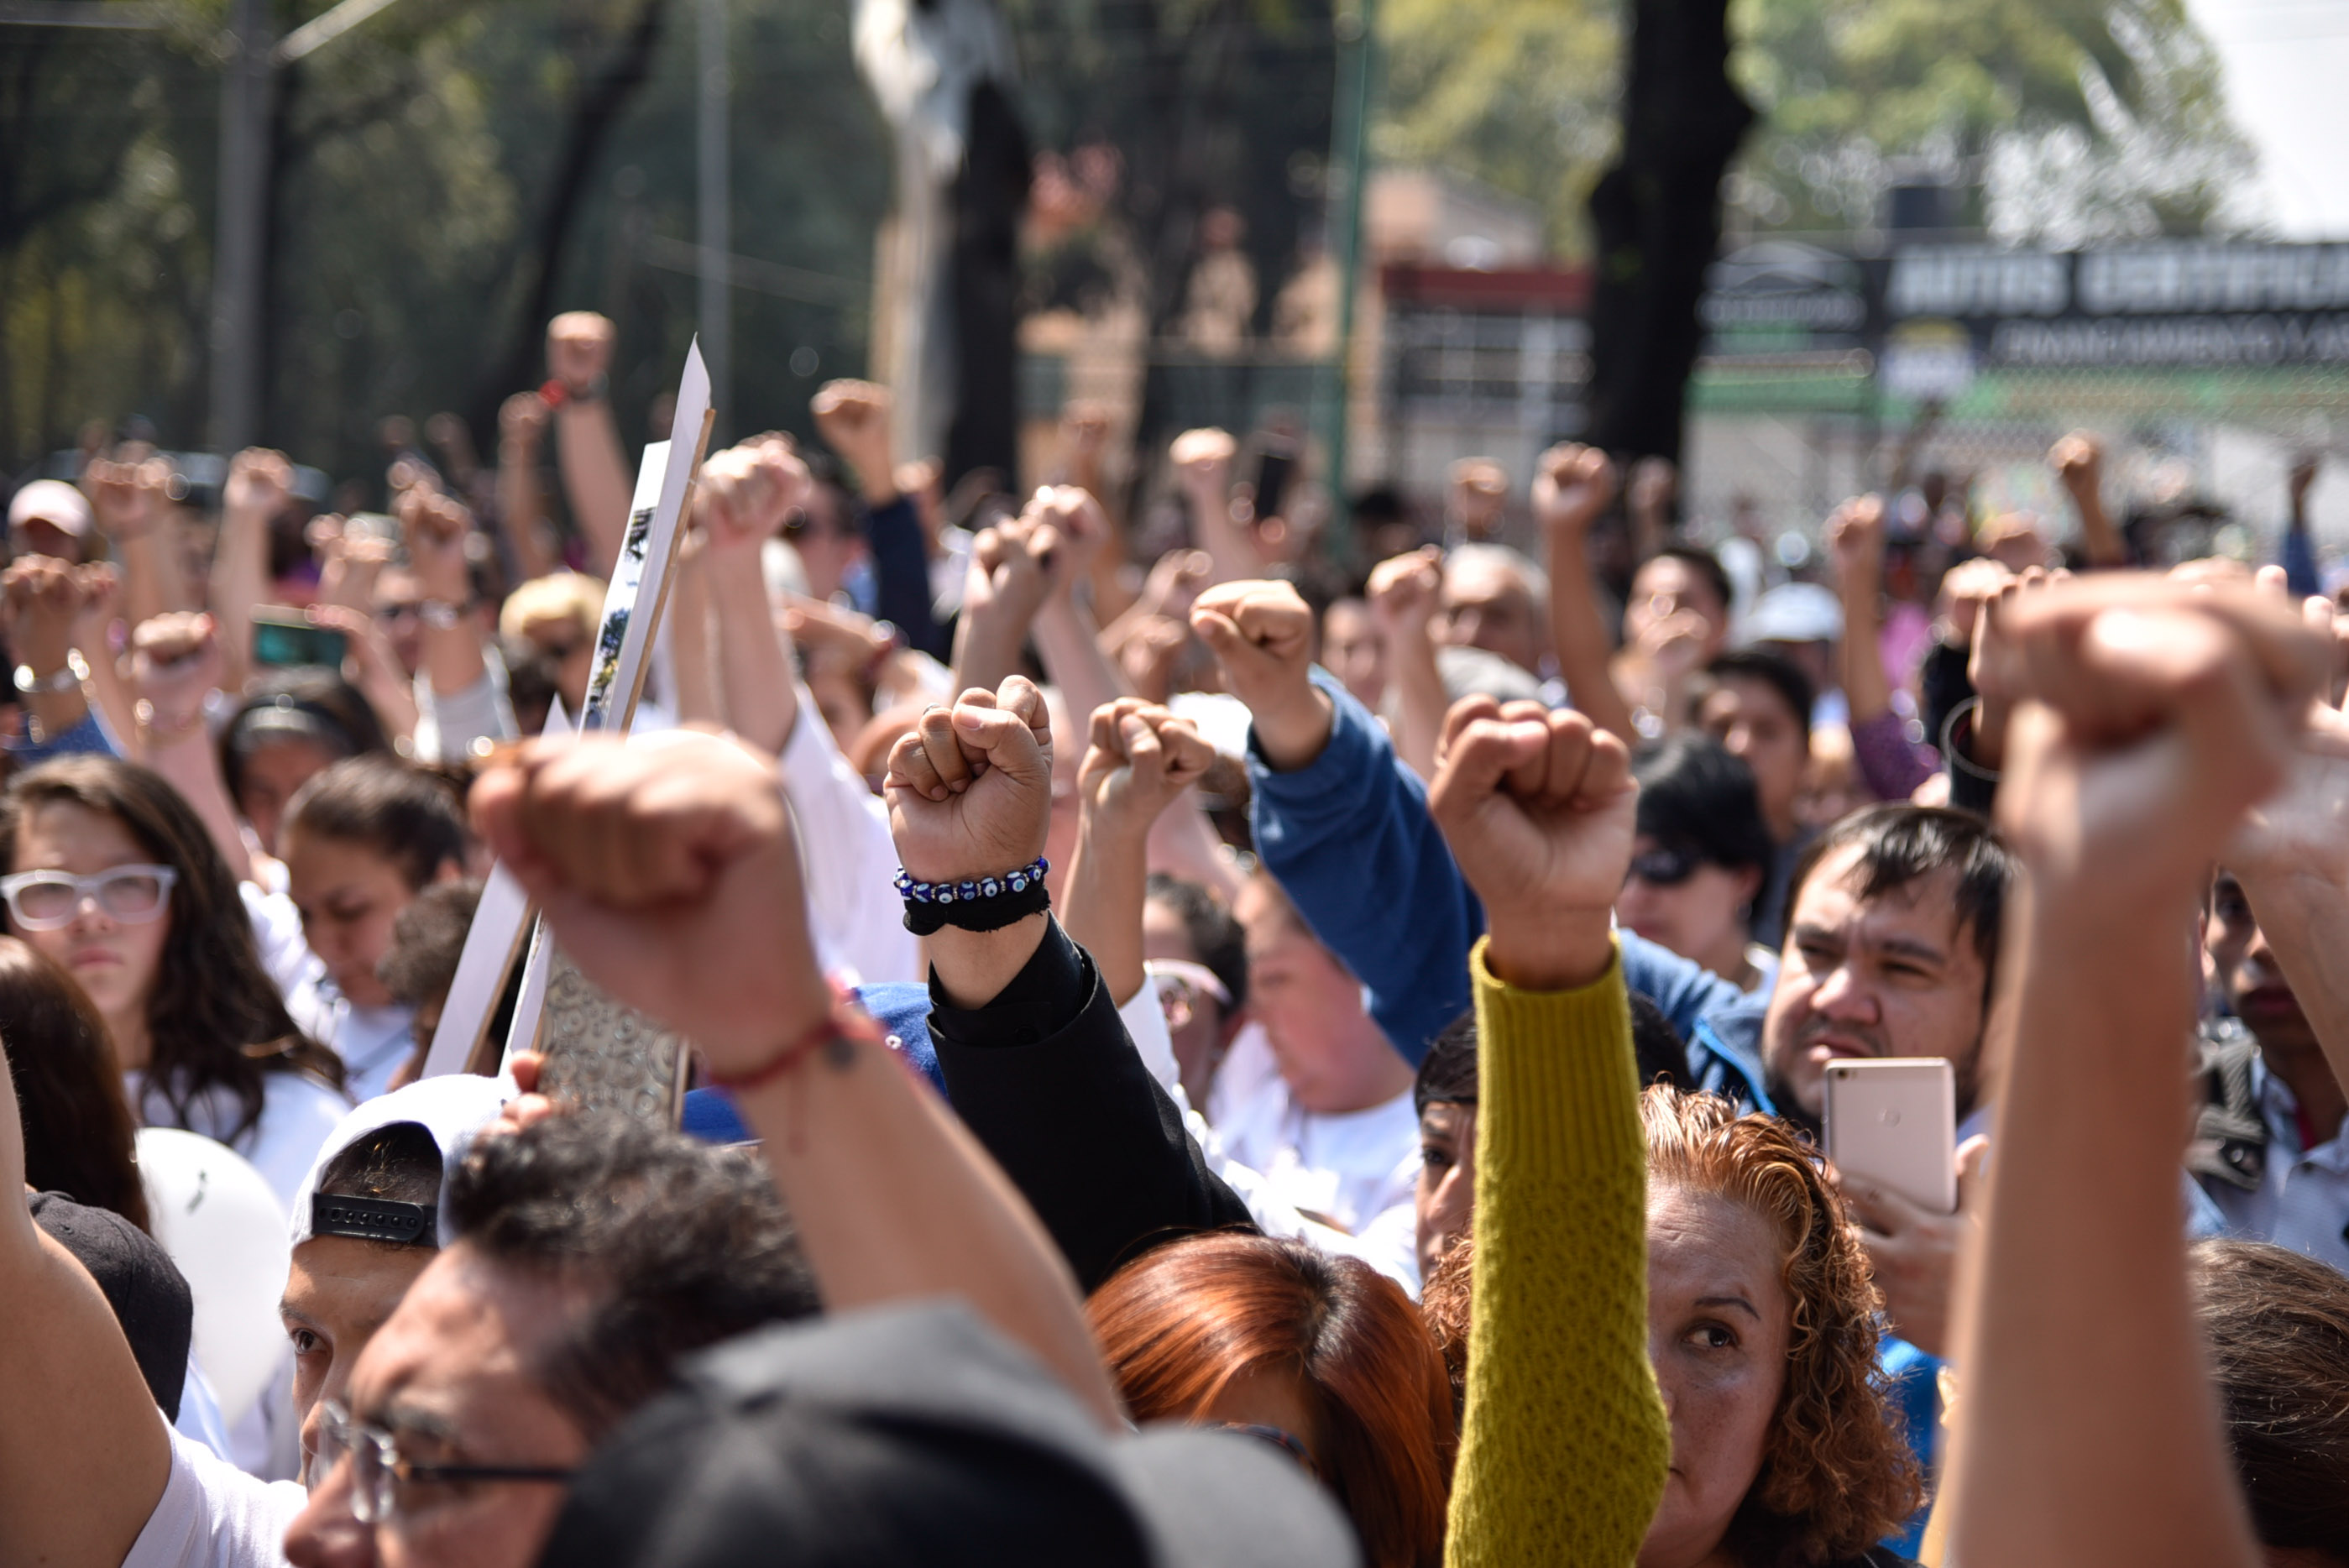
<point>979,914</point>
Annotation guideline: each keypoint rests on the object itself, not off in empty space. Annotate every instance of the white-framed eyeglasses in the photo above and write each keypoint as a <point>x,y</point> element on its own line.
<point>48,901</point>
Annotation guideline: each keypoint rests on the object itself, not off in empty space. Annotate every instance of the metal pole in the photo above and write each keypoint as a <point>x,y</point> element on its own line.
<point>1349,151</point>
<point>235,410</point>
<point>713,228</point>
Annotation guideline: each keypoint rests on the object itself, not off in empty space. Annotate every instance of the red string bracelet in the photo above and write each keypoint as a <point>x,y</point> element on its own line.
<point>844,1026</point>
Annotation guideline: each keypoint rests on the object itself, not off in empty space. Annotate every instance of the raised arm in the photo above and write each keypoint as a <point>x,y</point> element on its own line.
<point>84,1454</point>
<point>2078,460</point>
<point>259,484</point>
<point>1855,543</point>
<point>2152,717</point>
<point>1340,821</point>
<point>175,664</point>
<point>2290,857</point>
<point>522,419</point>
<point>670,875</point>
<point>587,438</point>
<point>1572,485</point>
<point>1404,595</point>
<point>435,528</point>
<point>1010,576</point>
<point>1538,807</point>
<point>1036,1060</point>
<point>1203,468</point>
<point>1140,760</point>
<point>746,491</point>
<point>132,505</point>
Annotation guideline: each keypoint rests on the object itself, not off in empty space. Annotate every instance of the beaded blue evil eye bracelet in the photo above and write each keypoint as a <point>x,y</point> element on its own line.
<point>982,903</point>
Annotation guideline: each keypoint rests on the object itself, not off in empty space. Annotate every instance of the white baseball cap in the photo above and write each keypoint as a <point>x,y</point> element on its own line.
<point>452,1107</point>
<point>52,501</point>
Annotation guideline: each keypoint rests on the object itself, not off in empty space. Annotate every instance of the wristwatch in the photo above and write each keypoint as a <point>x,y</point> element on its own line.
<point>440,615</point>
<point>74,671</point>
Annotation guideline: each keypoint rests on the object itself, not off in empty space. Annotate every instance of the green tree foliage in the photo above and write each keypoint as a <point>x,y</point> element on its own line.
<point>2075,119</point>
<point>1517,93</point>
<point>418,162</point>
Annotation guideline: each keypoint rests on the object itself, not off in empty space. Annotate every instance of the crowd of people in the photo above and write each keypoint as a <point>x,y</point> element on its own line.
<point>1363,1011</point>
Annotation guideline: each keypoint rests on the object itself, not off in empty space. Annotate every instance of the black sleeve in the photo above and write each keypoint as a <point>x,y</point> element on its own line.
<point>901,575</point>
<point>1943,684</point>
<point>1047,1078</point>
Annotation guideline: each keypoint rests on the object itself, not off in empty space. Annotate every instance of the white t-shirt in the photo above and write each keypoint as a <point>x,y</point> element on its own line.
<point>1351,1167</point>
<point>854,915</point>
<point>372,1041</point>
<point>298,1112</point>
<point>213,1515</point>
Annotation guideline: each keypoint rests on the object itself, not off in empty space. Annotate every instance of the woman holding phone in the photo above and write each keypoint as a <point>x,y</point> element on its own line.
<point>111,873</point>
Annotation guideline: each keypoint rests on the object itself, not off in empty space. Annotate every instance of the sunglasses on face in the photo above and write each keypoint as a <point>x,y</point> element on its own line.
<point>380,1473</point>
<point>1663,867</point>
<point>48,901</point>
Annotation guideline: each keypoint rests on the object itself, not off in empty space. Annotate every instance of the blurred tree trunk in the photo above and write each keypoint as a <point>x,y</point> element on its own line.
<point>593,120</point>
<point>1656,214</point>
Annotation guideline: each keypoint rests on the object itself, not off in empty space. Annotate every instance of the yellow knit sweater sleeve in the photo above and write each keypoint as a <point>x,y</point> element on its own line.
<point>1563,1458</point>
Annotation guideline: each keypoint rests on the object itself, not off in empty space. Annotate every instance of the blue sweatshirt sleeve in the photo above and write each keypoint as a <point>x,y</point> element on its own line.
<point>1684,990</point>
<point>2302,578</point>
<point>901,572</point>
<point>91,736</point>
<point>1349,838</point>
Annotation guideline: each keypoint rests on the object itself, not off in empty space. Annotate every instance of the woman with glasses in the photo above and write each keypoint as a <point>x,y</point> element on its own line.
<point>1701,859</point>
<point>113,876</point>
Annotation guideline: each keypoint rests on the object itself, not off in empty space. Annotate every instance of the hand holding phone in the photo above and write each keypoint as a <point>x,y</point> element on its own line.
<point>282,637</point>
<point>1892,1121</point>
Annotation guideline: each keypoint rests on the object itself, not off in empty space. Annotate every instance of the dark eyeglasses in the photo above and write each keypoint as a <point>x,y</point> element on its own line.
<point>1664,867</point>
<point>378,1470</point>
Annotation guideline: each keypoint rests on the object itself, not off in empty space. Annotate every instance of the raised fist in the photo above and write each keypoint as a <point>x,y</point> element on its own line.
<point>1262,633</point>
<point>579,350</point>
<point>1077,522</point>
<point>1015,566</point>
<point>970,786</point>
<point>1139,758</point>
<point>1539,807</point>
<point>45,599</point>
<point>175,662</point>
<point>435,528</point>
<point>130,500</point>
<point>523,418</point>
<point>1203,457</point>
<point>746,492</point>
<point>1856,538</point>
<point>260,483</point>
<point>853,417</point>
<point>2078,460</point>
<point>1572,485</point>
<point>669,875</point>
<point>1406,592</point>
<point>2152,715</point>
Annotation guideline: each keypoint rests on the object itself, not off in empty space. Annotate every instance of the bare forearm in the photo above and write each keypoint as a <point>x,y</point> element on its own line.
<point>1581,640</point>
<point>595,477</point>
<point>754,666</point>
<point>1866,689</point>
<point>105,690</point>
<point>153,580</point>
<point>1231,547</point>
<point>520,510</point>
<point>2072,1413</point>
<point>1420,702</point>
<point>693,642</point>
<point>987,649</point>
<point>1108,877</point>
<point>1183,843</point>
<point>190,765</point>
<point>239,581</point>
<point>1073,659</point>
<point>2305,917</point>
<point>895,1200</point>
<point>2100,542</point>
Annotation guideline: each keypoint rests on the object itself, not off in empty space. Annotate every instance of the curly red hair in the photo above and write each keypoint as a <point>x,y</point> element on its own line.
<point>1836,1473</point>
